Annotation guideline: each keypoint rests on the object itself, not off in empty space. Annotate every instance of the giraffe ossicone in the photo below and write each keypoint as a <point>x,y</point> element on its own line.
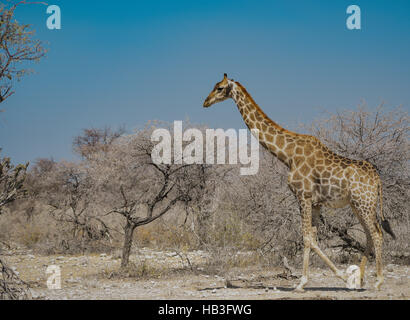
<point>317,176</point>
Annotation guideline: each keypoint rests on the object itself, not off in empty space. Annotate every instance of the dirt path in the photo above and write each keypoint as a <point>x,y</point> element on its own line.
<point>92,277</point>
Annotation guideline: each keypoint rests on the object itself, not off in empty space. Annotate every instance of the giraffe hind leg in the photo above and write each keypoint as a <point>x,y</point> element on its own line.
<point>369,244</point>
<point>365,257</point>
<point>374,237</point>
<point>377,237</point>
<point>306,211</point>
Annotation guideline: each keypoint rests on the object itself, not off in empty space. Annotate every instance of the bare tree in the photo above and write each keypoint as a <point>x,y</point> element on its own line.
<point>11,188</point>
<point>265,203</point>
<point>67,190</point>
<point>11,286</point>
<point>11,181</point>
<point>17,45</point>
<point>95,140</point>
<point>138,189</point>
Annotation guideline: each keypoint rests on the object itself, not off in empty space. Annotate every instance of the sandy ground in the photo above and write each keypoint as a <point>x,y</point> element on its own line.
<point>94,277</point>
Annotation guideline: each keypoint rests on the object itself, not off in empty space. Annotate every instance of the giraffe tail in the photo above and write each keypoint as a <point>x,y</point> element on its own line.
<point>385,223</point>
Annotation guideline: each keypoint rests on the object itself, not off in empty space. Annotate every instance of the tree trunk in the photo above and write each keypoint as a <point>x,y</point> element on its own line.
<point>126,250</point>
<point>203,218</point>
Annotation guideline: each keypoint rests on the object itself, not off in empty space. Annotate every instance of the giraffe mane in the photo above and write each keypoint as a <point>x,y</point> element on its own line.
<point>277,126</point>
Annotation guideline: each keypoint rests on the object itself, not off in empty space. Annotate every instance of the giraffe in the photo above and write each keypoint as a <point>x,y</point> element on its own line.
<point>317,177</point>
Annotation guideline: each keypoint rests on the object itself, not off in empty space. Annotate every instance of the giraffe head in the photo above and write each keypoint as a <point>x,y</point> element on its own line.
<point>220,92</point>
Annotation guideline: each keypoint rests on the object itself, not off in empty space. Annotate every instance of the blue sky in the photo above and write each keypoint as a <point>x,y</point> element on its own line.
<point>127,62</point>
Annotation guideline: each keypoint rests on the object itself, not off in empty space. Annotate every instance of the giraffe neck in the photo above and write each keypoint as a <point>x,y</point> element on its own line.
<point>271,135</point>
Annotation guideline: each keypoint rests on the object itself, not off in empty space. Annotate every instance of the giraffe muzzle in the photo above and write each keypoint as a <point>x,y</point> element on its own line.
<point>207,103</point>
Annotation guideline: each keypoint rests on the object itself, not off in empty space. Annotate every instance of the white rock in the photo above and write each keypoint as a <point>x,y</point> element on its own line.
<point>353,280</point>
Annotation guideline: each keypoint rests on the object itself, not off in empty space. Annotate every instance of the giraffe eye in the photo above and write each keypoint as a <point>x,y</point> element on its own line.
<point>220,89</point>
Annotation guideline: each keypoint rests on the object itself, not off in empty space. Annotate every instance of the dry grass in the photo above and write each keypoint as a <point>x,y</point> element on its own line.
<point>139,270</point>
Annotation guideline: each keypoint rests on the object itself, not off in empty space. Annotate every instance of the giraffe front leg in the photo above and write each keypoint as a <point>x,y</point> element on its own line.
<point>304,279</point>
<point>306,211</point>
<point>337,272</point>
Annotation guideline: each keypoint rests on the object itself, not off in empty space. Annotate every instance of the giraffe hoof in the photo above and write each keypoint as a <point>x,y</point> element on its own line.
<point>299,289</point>
<point>378,284</point>
<point>362,282</point>
<point>342,275</point>
<point>301,284</point>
